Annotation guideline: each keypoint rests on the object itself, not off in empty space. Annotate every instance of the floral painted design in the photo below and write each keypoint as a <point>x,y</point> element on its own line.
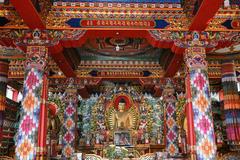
<point>69,124</point>
<point>29,102</point>
<point>207,148</point>
<point>204,125</point>
<point>68,151</point>
<point>202,102</point>
<point>70,110</point>
<point>68,137</point>
<point>27,126</point>
<point>25,150</point>
<point>199,81</point>
<point>32,80</point>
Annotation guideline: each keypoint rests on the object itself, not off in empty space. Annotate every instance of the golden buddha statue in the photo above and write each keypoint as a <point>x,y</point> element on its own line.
<point>122,117</point>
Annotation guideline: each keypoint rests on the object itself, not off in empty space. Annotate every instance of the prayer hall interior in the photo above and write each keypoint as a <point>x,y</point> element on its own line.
<point>119,79</point>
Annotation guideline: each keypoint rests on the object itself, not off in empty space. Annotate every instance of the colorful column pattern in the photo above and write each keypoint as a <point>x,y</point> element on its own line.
<point>172,128</point>
<point>200,97</point>
<point>69,122</point>
<point>231,101</point>
<point>26,142</point>
<point>3,89</point>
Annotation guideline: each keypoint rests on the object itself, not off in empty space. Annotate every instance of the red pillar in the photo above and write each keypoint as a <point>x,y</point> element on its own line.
<point>42,132</point>
<point>191,140</point>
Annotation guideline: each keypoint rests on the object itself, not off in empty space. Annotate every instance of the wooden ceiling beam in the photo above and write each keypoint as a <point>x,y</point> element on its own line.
<point>56,53</point>
<point>204,15</point>
<point>174,65</point>
<point>28,13</point>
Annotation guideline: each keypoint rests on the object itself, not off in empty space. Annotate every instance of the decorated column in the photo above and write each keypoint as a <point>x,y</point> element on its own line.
<point>3,89</point>
<point>69,126</point>
<point>172,128</point>
<point>231,101</point>
<point>198,88</point>
<point>27,143</point>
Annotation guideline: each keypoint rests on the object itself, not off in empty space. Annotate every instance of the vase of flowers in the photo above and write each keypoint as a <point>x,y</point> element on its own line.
<point>115,152</point>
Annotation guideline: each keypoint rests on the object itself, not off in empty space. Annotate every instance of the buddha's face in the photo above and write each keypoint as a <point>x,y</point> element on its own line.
<point>121,107</point>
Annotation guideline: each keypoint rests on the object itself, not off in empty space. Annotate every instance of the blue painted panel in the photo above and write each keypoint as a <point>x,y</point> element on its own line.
<point>161,24</point>
<point>76,23</point>
<point>124,1</point>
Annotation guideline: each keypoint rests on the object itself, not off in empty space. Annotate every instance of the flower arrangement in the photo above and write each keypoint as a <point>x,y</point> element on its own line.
<point>115,152</point>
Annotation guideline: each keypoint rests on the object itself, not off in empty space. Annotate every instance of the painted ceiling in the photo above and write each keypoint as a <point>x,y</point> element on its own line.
<point>151,54</point>
<point>136,50</point>
<point>118,49</point>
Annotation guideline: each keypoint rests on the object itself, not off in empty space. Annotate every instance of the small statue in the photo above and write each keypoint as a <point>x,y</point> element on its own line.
<point>158,138</point>
<point>143,124</point>
<point>60,139</point>
<point>97,138</point>
<point>101,138</point>
<point>219,137</point>
<point>146,136</point>
<point>88,140</point>
<point>142,107</point>
<point>101,124</point>
<point>107,136</point>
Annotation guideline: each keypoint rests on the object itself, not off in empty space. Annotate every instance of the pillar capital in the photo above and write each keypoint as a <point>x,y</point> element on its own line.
<point>195,58</point>
<point>39,37</point>
<point>35,37</point>
<point>195,52</point>
<point>70,91</point>
<point>36,57</point>
<point>181,38</point>
<point>197,39</point>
